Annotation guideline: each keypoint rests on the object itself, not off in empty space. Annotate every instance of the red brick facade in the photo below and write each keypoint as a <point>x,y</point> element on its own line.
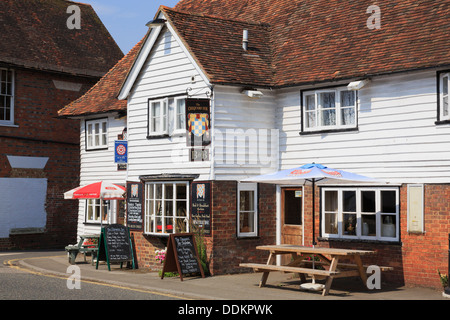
<point>225,249</point>
<point>417,257</point>
<point>38,133</point>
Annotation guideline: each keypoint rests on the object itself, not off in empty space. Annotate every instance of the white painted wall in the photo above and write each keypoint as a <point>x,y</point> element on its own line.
<point>397,138</point>
<point>163,74</point>
<point>99,165</point>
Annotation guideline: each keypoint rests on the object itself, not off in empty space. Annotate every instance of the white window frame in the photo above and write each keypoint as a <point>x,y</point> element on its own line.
<point>162,117</point>
<point>252,187</point>
<point>98,206</point>
<point>91,135</point>
<point>444,96</point>
<point>318,110</point>
<point>379,215</point>
<point>5,96</point>
<point>151,203</point>
<point>179,129</point>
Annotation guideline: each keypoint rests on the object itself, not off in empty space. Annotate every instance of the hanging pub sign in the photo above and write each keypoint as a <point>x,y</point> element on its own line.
<point>121,151</point>
<point>201,206</point>
<point>135,205</point>
<point>198,122</point>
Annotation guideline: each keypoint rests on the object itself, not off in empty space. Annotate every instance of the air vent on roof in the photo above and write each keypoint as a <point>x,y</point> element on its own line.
<point>245,40</point>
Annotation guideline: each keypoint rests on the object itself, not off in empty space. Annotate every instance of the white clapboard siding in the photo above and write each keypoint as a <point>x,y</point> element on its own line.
<point>99,165</point>
<point>162,75</point>
<point>243,131</point>
<point>397,138</point>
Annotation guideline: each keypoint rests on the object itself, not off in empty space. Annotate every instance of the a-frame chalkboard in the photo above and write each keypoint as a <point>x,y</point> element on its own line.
<point>182,256</point>
<point>115,245</point>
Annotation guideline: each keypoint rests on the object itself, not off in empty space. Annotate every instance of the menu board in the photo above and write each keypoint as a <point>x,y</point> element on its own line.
<point>182,256</point>
<point>135,205</point>
<point>115,245</point>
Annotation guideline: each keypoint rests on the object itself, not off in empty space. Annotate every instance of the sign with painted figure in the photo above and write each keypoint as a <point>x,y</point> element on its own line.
<point>198,122</point>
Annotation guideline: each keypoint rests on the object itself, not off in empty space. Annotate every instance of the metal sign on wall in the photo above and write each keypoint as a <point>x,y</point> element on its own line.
<point>198,124</point>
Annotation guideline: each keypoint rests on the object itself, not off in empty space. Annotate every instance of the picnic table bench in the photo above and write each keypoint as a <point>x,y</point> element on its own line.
<point>81,247</point>
<point>330,267</point>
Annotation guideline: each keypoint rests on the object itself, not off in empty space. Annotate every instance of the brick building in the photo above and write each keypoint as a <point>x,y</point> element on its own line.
<point>43,66</point>
<point>281,84</point>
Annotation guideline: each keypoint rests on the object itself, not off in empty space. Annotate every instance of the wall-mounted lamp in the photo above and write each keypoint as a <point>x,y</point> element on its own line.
<point>356,85</point>
<point>253,93</point>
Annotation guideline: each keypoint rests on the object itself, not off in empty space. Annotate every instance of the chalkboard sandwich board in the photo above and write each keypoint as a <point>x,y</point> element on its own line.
<point>182,256</point>
<point>115,245</point>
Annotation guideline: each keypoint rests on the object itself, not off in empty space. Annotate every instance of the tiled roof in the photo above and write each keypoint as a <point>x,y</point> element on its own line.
<point>323,40</point>
<point>102,97</point>
<point>34,34</point>
<point>217,47</point>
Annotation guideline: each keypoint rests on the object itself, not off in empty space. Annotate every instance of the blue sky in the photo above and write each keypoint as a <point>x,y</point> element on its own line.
<point>126,19</point>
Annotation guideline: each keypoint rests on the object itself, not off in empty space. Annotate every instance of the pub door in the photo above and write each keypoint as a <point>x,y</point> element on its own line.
<point>291,216</point>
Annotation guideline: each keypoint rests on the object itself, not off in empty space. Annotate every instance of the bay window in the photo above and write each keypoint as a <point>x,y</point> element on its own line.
<point>360,213</point>
<point>166,207</point>
<point>328,109</point>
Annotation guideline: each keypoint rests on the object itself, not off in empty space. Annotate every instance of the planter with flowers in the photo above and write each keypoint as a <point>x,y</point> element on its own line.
<point>160,256</point>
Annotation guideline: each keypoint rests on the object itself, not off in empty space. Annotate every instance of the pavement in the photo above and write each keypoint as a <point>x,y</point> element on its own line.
<point>280,286</point>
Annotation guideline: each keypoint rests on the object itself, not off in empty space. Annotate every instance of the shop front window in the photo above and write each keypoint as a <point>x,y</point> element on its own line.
<point>166,207</point>
<point>360,213</point>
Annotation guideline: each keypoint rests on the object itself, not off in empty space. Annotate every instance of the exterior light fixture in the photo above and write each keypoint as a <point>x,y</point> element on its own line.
<point>356,85</point>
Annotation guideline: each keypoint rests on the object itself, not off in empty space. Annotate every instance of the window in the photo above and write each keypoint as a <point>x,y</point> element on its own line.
<point>180,115</point>
<point>167,43</point>
<point>329,109</point>
<point>158,115</point>
<point>247,210</point>
<point>6,97</point>
<point>95,209</point>
<point>444,112</point>
<point>166,207</point>
<point>360,213</point>
<point>97,134</point>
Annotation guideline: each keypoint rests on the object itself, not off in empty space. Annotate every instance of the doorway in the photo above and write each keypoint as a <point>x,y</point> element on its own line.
<point>292,215</point>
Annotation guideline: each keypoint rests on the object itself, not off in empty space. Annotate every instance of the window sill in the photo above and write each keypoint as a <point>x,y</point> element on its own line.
<point>252,237</point>
<point>328,131</point>
<point>158,136</point>
<point>440,122</point>
<point>11,125</point>
<point>97,149</point>
<point>394,242</point>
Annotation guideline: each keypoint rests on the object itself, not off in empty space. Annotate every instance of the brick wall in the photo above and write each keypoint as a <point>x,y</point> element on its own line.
<point>225,251</point>
<point>418,256</point>
<point>38,133</point>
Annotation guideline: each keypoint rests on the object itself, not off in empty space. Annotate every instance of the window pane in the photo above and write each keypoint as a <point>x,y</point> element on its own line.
<point>158,191</point>
<point>181,225</point>
<point>310,103</point>
<point>331,225</point>
<point>388,201</point>
<point>327,100</point>
<point>445,106</point>
<point>247,222</point>
<point>368,225</point>
<point>168,191</point>
<point>445,85</point>
<point>347,99</point>
<point>368,201</point>
<point>328,117</point>
<point>181,209</point>
<point>350,224</point>
<point>181,191</point>
<point>348,116</point>
<point>181,117</point>
<point>331,201</point>
<point>246,201</point>
<point>349,198</point>
<point>388,226</point>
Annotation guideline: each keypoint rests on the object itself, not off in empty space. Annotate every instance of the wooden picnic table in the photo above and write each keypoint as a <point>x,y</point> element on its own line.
<point>329,264</point>
<point>81,247</point>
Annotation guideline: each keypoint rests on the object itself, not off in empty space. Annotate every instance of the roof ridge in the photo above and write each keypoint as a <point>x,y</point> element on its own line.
<point>263,24</point>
